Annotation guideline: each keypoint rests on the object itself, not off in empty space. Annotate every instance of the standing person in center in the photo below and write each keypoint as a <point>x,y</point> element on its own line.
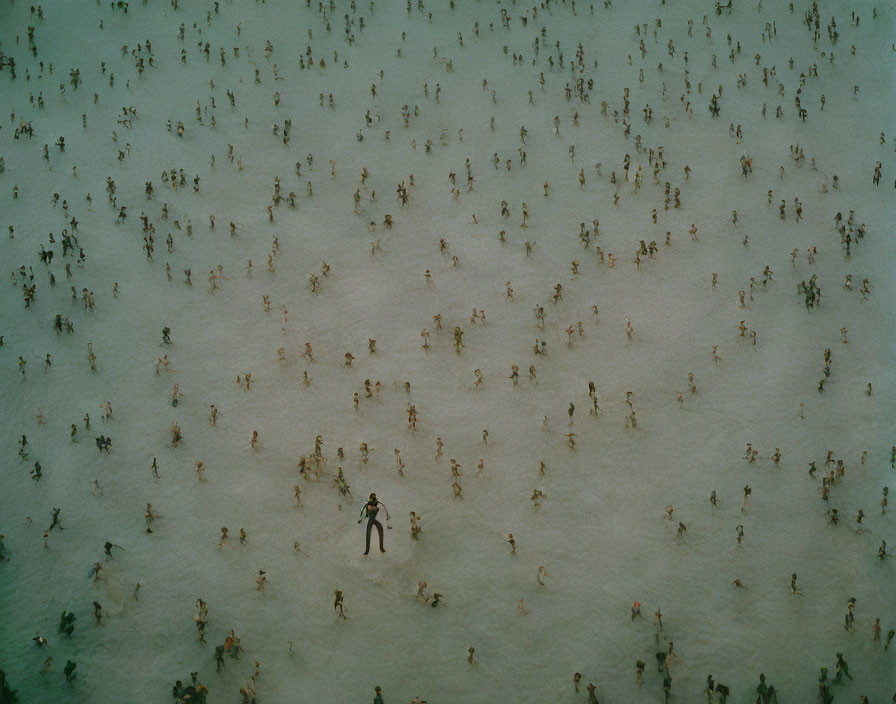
<point>371,508</point>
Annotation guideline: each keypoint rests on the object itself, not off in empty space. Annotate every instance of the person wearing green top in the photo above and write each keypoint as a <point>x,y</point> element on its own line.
<point>842,669</point>
<point>762,691</point>
<point>371,509</point>
<point>824,687</point>
<point>378,699</point>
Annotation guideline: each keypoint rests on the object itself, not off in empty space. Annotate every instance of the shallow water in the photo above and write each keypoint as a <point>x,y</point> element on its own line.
<point>600,531</point>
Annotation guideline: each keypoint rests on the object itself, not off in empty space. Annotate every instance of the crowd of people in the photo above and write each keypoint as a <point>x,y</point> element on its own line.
<point>564,93</point>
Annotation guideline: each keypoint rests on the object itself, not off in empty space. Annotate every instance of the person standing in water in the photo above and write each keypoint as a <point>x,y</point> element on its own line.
<point>371,508</point>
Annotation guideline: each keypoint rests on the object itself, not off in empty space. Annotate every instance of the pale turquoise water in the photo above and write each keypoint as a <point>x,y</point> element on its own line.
<point>600,531</point>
